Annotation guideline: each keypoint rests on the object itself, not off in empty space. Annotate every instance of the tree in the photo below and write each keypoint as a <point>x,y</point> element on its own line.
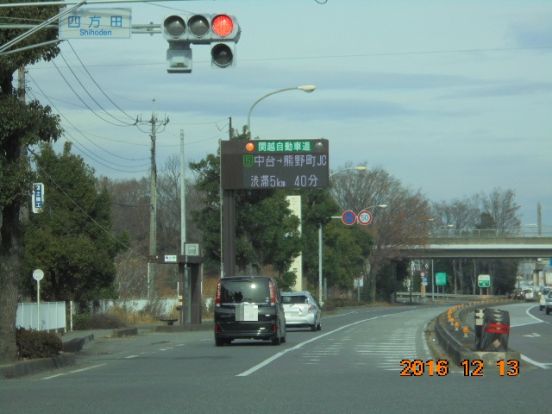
<point>482,215</point>
<point>71,240</point>
<point>502,208</point>
<point>266,232</point>
<point>403,222</point>
<point>344,248</point>
<point>22,124</point>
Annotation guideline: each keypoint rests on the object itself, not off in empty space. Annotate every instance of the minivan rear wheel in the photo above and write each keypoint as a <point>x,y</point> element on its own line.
<point>220,342</point>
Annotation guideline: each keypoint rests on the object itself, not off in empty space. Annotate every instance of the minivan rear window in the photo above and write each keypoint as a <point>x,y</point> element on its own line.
<point>250,291</point>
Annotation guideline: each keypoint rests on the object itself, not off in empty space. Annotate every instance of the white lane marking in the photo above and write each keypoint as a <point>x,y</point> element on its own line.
<point>87,368</point>
<point>533,316</point>
<point>184,344</point>
<point>74,371</point>
<point>164,349</point>
<point>53,376</point>
<point>301,344</point>
<point>532,335</point>
<point>131,356</point>
<point>543,365</point>
<point>338,316</point>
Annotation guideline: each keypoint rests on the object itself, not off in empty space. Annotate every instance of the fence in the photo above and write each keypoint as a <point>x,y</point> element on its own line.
<point>52,316</point>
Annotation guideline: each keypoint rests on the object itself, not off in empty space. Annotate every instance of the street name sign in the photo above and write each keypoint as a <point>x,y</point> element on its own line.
<point>38,197</point>
<point>96,23</point>
<point>270,164</point>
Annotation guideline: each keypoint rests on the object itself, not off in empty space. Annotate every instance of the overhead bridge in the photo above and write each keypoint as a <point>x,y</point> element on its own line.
<point>464,247</point>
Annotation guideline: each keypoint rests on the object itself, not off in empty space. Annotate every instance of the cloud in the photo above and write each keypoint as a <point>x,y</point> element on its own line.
<point>511,88</point>
<point>534,33</point>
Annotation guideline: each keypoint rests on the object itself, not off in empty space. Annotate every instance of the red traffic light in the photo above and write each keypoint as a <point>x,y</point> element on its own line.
<point>222,25</point>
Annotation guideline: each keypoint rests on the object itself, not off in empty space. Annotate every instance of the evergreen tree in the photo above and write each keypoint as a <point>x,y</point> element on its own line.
<point>22,124</point>
<point>71,240</point>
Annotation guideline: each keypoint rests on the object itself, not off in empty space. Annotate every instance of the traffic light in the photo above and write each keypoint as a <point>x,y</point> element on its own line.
<point>215,29</point>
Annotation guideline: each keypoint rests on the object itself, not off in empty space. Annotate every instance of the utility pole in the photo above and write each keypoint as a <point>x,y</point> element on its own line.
<point>155,125</point>
<point>539,219</point>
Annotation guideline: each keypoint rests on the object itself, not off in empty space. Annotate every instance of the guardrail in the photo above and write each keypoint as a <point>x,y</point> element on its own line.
<point>545,231</point>
<point>417,297</point>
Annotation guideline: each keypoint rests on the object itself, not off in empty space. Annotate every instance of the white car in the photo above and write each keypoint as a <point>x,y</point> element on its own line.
<point>301,309</point>
<point>528,294</point>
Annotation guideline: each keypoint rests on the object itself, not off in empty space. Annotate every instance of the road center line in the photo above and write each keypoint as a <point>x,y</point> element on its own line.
<point>300,345</point>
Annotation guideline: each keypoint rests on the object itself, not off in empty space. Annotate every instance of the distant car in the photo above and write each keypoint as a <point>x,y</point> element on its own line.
<point>542,298</point>
<point>301,309</point>
<point>528,294</point>
<point>248,307</point>
<point>548,303</point>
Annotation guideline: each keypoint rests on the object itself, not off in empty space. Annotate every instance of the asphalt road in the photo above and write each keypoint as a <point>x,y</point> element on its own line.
<point>352,366</point>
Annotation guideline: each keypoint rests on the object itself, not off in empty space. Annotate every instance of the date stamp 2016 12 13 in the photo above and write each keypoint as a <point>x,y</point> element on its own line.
<point>471,368</point>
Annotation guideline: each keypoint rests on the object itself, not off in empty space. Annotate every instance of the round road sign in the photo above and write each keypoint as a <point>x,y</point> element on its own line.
<point>349,217</point>
<point>365,217</point>
<point>38,274</point>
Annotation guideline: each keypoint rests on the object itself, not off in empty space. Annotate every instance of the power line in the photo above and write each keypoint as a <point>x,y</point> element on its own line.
<point>83,135</point>
<point>97,85</point>
<point>89,94</point>
<point>354,55</point>
<point>82,101</point>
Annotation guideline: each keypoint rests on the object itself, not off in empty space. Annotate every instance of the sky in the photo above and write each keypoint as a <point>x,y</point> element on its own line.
<point>452,98</point>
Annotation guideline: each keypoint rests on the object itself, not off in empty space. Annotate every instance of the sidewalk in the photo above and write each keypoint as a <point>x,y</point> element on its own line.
<point>76,341</point>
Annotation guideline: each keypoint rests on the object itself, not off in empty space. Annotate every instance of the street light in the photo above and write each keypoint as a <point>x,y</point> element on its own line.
<point>304,88</point>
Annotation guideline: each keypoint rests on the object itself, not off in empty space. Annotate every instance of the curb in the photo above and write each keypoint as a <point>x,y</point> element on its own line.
<point>119,333</point>
<point>76,344</point>
<point>185,328</point>
<point>34,366</point>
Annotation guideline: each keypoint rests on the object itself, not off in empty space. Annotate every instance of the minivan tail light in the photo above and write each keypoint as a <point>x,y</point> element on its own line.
<point>272,293</point>
<point>217,297</point>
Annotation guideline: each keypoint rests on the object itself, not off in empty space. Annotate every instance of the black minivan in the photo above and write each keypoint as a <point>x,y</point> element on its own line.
<point>248,307</point>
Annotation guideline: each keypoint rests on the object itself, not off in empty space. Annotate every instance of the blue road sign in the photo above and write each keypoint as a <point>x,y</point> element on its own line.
<point>349,217</point>
<point>37,197</point>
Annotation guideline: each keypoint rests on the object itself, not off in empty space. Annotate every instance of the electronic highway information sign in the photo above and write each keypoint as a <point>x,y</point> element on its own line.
<point>268,164</point>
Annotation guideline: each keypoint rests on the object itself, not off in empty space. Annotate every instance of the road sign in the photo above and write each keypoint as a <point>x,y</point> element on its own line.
<point>170,258</point>
<point>440,279</point>
<point>96,23</point>
<point>191,249</point>
<point>484,281</point>
<point>268,164</point>
<point>38,275</point>
<point>365,217</point>
<point>348,217</point>
<point>38,197</point>
<point>424,280</point>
